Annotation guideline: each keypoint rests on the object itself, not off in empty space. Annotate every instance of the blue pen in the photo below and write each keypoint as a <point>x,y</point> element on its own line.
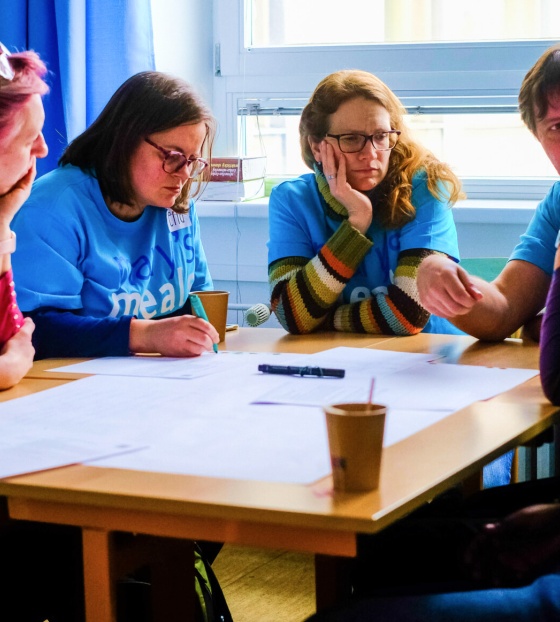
<point>199,311</point>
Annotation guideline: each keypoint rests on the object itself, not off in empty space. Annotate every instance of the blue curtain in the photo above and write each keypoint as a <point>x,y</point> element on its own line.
<point>90,47</point>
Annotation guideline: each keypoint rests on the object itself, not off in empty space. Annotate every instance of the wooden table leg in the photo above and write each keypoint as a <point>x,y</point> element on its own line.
<point>99,579</point>
<point>110,556</point>
<point>332,580</point>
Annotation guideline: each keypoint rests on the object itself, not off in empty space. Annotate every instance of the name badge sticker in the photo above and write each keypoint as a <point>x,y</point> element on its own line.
<point>175,221</point>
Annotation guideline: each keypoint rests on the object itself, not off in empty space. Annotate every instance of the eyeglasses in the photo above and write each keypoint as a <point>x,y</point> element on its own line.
<point>174,161</point>
<point>352,143</point>
<point>6,70</point>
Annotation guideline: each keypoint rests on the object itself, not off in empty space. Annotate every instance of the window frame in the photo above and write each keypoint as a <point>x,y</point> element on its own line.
<point>479,75</point>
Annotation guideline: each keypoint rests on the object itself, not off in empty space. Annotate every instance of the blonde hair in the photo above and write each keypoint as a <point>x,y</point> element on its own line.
<point>407,158</point>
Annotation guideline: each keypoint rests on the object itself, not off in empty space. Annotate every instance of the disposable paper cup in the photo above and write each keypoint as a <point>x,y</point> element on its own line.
<point>215,304</point>
<point>355,442</point>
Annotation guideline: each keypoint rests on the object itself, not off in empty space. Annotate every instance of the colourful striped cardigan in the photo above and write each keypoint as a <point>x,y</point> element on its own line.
<point>305,293</point>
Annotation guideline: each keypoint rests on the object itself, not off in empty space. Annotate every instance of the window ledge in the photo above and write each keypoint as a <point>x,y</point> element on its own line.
<point>494,211</point>
<point>497,211</point>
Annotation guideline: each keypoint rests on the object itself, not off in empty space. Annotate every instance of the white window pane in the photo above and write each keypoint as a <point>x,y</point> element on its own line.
<point>330,22</point>
<point>475,145</point>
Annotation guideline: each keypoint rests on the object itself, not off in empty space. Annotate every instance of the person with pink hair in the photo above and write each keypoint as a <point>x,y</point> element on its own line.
<point>21,143</point>
<point>26,547</point>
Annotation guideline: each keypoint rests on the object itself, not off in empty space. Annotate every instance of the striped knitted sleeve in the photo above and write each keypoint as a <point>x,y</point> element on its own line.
<point>305,293</point>
<point>395,310</point>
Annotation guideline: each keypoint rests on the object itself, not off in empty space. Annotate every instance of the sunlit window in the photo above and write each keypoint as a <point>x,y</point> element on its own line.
<point>474,145</point>
<point>354,22</point>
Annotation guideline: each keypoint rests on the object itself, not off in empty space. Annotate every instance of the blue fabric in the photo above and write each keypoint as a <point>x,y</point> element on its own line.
<point>538,244</point>
<point>90,49</point>
<point>83,336</point>
<point>498,472</point>
<point>75,255</point>
<point>299,227</point>
<point>538,601</point>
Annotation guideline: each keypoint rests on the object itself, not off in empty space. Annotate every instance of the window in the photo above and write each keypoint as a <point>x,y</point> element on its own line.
<point>288,22</point>
<point>461,92</point>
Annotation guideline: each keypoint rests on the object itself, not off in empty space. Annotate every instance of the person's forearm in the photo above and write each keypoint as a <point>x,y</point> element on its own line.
<point>497,316</point>
<point>550,343</point>
<point>304,292</point>
<point>65,334</point>
<point>11,371</point>
<point>490,319</point>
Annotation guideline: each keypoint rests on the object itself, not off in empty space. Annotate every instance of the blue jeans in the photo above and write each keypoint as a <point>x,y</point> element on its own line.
<point>538,602</point>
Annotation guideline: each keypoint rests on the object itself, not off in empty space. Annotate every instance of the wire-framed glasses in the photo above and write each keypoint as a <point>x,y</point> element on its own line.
<point>174,161</point>
<point>352,143</point>
<point>6,70</point>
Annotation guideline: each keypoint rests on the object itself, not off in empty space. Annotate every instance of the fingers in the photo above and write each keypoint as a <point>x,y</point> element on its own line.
<point>330,168</point>
<point>27,327</point>
<point>449,292</point>
<point>201,335</point>
<point>27,180</point>
<point>18,193</point>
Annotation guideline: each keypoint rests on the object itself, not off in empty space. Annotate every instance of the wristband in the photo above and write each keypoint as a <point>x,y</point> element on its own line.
<point>8,246</point>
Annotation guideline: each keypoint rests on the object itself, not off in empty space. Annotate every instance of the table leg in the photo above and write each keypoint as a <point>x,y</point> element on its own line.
<point>332,580</point>
<point>110,556</point>
<point>99,580</point>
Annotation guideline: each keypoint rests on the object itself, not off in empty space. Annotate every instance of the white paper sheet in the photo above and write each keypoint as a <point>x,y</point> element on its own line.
<point>218,436</point>
<point>166,367</point>
<point>211,428</point>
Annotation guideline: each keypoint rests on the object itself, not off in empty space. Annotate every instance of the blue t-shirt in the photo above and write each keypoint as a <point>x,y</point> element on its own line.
<point>74,254</point>
<point>299,227</point>
<point>537,244</point>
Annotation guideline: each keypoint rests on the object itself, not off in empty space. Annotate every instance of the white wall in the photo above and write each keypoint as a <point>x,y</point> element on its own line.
<point>183,41</point>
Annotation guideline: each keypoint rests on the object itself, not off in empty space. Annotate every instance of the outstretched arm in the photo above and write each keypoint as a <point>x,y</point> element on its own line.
<point>491,311</point>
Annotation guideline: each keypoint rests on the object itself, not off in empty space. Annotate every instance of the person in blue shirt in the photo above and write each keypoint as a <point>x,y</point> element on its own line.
<point>495,556</point>
<point>346,240</point>
<point>109,242</point>
<point>494,311</point>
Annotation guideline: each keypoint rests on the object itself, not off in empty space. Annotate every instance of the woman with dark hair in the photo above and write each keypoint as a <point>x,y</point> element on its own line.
<point>21,142</point>
<point>346,242</point>
<point>110,240</point>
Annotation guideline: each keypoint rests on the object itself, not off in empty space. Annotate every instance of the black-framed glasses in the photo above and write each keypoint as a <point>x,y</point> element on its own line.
<point>352,143</point>
<point>174,161</point>
<point>6,70</point>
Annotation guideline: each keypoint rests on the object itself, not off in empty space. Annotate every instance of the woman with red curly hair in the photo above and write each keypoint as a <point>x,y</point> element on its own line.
<point>346,240</point>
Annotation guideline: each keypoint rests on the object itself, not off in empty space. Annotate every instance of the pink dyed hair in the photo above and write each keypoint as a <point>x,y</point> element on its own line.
<point>29,71</point>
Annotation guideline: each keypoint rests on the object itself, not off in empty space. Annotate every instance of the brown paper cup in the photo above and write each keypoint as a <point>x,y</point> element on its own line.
<point>355,443</point>
<point>215,304</point>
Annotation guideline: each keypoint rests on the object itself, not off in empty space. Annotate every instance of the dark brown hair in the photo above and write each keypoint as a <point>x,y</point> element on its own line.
<point>147,103</point>
<point>407,158</point>
<point>541,81</point>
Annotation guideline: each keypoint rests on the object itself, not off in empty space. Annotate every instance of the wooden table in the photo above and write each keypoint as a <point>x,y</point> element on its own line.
<point>304,518</point>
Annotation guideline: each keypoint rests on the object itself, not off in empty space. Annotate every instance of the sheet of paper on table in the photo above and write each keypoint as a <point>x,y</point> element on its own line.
<point>201,416</point>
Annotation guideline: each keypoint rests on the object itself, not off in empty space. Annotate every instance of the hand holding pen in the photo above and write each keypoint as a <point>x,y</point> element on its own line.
<point>181,336</point>
<point>198,309</point>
